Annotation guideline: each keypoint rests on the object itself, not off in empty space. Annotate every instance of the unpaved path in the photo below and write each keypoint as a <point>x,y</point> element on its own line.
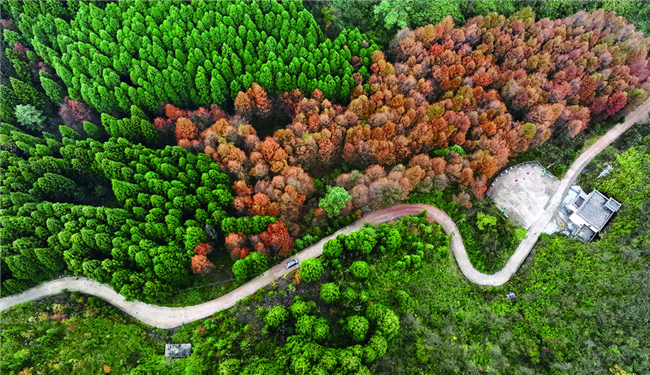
<point>170,317</point>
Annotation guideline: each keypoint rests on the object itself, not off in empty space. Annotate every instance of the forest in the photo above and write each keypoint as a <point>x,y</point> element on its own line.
<point>396,305</point>
<point>175,150</point>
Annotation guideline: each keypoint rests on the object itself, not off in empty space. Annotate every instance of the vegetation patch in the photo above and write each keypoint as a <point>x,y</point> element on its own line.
<point>75,334</point>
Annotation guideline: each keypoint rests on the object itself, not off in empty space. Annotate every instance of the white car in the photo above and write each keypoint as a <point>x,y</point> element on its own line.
<point>292,263</point>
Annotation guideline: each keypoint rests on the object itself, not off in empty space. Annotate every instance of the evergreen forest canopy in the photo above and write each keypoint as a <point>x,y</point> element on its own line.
<point>251,129</point>
<point>188,54</point>
<point>167,200</point>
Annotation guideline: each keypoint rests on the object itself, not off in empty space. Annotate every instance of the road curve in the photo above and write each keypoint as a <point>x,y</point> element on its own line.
<point>170,317</point>
<point>640,114</point>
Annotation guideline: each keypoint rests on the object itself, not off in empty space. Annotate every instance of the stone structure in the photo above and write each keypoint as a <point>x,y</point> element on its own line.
<point>178,350</point>
<point>590,213</point>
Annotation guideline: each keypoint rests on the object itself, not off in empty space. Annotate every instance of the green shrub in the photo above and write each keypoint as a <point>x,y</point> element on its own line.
<point>276,316</point>
<point>300,308</point>
<point>329,293</point>
<point>360,269</point>
<point>311,269</point>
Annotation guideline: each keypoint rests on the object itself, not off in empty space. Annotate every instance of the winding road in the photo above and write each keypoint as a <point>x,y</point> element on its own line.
<point>170,317</point>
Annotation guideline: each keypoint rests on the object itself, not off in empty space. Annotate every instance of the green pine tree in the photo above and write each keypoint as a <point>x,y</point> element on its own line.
<point>303,83</point>
<point>26,94</point>
<point>149,133</point>
<point>235,88</point>
<point>266,79</point>
<point>92,130</point>
<point>202,88</point>
<point>217,84</point>
<point>124,190</point>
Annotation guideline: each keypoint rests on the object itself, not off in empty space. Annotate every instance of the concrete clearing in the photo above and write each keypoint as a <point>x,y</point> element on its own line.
<point>523,190</point>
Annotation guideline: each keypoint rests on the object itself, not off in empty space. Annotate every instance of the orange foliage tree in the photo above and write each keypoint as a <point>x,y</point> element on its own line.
<point>200,262</point>
<point>453,107</point>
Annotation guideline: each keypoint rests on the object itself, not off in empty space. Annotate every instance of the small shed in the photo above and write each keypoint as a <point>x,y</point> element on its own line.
<point>178,350</point>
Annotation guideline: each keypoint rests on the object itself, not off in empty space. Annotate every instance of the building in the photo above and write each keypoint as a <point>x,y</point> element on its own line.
<point>178,350</point>
<point>590,213</point>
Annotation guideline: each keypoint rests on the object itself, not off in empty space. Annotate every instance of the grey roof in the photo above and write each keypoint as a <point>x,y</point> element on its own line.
<point>584,233</point>
<point>178,350</point>
<point>613,205</point>
<point>579,201</point>
<point>595,210</point>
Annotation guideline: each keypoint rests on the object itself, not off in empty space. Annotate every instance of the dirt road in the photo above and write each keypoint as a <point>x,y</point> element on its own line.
<point>169,317</point>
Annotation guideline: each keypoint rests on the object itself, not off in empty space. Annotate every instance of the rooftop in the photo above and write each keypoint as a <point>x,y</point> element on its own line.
<point>582,215</point>
<point>579,201</point>
<point>584,233</point>
<point>597,209</point>
<point>612,204</point>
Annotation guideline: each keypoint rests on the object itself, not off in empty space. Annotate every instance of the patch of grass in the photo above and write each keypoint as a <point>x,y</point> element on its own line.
<point>520,233</point>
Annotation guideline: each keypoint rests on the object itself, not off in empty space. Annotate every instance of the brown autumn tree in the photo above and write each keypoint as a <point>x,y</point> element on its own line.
<point>201,264</point>
<point>185,129</point>
<point>450,107</point>
<point>203,249</point>
<point>277,238</point>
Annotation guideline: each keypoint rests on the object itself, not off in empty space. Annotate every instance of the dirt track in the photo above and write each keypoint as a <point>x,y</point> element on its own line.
<point>170,317</point>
